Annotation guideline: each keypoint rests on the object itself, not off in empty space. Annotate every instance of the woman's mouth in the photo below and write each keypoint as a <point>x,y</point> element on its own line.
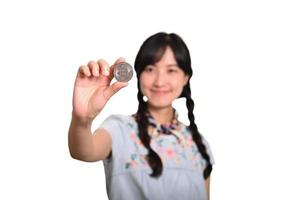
<point>159,92</point>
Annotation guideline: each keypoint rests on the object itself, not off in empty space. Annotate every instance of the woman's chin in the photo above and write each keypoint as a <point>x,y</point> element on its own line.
<point>160,103</point>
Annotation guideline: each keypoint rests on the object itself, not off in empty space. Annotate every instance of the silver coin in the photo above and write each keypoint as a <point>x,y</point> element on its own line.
<point>123,72</point>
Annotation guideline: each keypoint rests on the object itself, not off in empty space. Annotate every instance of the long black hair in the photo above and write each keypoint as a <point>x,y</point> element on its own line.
<point>151,52</point>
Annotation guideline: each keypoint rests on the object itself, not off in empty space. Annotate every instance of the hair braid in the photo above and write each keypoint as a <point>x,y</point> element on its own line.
<point>195,133</point>
<point>153,158</point>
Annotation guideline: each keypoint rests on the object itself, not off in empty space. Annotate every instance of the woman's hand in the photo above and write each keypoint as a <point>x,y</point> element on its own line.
<point>92,88</point>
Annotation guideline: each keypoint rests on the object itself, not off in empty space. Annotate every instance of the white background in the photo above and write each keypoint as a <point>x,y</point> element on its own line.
<point>245,56</point>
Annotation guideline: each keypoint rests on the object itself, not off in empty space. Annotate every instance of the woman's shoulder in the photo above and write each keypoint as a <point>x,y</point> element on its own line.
<point>121,119</point>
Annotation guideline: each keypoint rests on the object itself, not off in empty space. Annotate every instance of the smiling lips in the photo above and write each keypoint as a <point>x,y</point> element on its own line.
<point>159,92</point>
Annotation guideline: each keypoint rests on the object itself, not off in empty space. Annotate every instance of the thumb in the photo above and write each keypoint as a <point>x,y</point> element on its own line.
<point>113,88</point>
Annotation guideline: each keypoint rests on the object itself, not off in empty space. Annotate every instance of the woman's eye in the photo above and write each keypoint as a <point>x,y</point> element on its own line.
<point>149,69</point>
<point>172,70</point>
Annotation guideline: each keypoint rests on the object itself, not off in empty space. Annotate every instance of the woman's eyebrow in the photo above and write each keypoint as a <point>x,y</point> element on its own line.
<point>168,65</point>
<point>172,65</point>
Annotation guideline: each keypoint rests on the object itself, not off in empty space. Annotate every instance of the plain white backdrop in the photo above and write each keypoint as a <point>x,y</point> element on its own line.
<point>245,56</point>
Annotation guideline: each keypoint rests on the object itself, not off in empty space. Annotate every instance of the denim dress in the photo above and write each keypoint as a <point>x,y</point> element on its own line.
<point>128,173</point>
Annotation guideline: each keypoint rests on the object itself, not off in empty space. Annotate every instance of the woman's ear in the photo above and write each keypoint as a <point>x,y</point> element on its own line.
<point>186,79</point>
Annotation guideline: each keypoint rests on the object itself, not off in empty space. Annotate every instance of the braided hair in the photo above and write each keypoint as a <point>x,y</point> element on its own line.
<point>151,52</point>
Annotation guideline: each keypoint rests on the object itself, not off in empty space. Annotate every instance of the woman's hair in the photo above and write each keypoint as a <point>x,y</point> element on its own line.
<point>151,52</point>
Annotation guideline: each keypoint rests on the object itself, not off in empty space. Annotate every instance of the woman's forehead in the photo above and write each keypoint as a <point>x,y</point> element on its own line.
<point>165,65</point>
<point>168,58</point>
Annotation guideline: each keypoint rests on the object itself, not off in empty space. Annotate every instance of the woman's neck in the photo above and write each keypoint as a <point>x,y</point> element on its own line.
<point>162,115</point>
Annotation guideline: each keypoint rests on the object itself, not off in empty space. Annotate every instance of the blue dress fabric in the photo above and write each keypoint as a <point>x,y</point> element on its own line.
<point>128,174</point>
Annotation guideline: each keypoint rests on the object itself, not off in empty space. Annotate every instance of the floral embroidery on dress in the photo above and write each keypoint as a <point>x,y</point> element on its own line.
<point>169,149</point>
<point>138,158</point>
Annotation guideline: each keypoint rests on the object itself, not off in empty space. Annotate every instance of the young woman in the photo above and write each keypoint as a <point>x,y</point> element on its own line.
<point>150,154</point>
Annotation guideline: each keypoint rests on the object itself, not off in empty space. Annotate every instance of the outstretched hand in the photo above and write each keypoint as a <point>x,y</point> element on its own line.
<point>92,88</point>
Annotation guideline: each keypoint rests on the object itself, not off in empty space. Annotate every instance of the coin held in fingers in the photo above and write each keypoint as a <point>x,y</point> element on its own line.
<point>123,72</point>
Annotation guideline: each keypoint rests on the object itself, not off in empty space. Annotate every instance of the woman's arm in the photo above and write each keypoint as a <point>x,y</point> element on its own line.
<point>84,145</point>
<point>207,185</point>
<point>92,90</point>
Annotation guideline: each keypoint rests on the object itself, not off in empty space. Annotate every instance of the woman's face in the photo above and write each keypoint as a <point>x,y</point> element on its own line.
<point>163,82</point>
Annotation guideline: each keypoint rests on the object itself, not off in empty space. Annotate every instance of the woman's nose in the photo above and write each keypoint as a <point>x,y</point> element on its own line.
<point>160,79</point>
